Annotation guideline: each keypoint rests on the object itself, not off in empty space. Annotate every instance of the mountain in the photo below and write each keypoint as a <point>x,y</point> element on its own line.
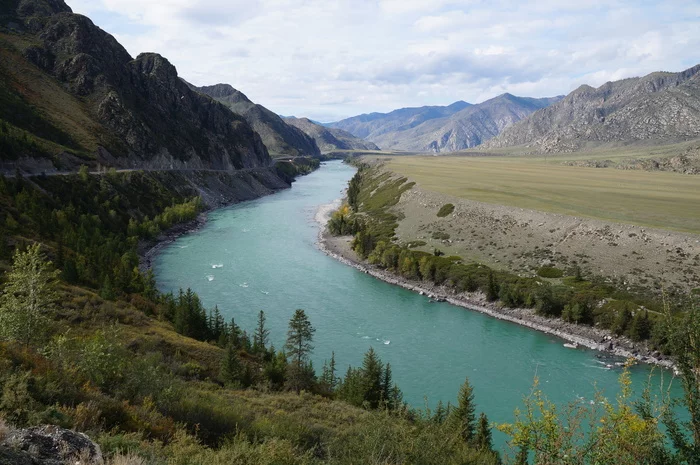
<point>660,107</point>
<point>70,94</point>
<point>464,129</point>
<point>280,138</point>
<point>330,139</point>
<point>369,126</point>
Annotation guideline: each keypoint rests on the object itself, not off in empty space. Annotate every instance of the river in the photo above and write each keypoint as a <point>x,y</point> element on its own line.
<point>262,255</point>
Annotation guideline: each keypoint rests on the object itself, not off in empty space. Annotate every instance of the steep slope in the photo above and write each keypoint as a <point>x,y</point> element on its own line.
<point>657,107</point>
<point>465,129</point>
<point>280,138</point>
<point>372,125</point>
<point>329,139</point>
<point>71,94</point>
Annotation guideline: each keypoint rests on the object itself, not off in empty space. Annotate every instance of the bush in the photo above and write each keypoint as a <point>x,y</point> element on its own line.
<point>443,236</point>
<point>550,272</point>
<point>445,210</point>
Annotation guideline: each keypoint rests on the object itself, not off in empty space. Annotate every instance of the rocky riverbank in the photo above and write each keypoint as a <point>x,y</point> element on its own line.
<point>586,336</point>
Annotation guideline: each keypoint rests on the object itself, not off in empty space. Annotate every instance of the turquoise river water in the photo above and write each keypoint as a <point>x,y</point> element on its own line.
<point>262,255</point>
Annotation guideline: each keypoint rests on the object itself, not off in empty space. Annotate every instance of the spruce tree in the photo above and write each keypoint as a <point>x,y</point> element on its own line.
<point>29,295</point>
<point>492,290</point>
<point>373,372</point>
<point>463,417</point>
<point>483,434</point>
<point>261,335</point>
<point>231,368</point>
<point>299,347</point>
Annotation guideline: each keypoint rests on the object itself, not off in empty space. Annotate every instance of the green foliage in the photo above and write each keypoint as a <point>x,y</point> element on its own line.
<point>445,210</point>
<point>550,272</point>
<point>582,433</point>
<point>28,298</point>
<point>299,346</point>
<point>231,368</point>
<point>370,386</point>
<point>463,417</point>
<point>262,334</point>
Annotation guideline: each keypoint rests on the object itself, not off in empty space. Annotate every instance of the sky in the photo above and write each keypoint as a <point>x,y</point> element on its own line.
<point>332,59</point>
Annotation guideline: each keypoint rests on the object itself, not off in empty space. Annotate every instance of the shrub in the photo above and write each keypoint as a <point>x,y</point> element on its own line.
<point>443,236</point>
<point>550,272</point>
<point>445,210</point>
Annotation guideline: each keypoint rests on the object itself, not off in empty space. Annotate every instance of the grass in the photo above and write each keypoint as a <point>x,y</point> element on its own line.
<point>659,199</point>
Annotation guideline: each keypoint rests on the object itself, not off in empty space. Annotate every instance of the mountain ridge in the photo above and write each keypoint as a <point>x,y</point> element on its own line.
<point>661,106</point>
<point>330,139</point>
<point>71,95</point>
<point>451,128</point>
<point>280,138</point>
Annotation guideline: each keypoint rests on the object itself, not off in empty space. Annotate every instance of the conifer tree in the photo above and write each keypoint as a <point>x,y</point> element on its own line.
<point>29,295</point>
<point>483,434</point>
<point>463,417</point>
<point>231,369</point>
<point>299,347</point>
<point>373,372</point>
<point>492,290</point>
<point>262,334</point>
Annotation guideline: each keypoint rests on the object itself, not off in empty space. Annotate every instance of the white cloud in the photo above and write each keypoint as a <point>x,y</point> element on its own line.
<point>328,60</point>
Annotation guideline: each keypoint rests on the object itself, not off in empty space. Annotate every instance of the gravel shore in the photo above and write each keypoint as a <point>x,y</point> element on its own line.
<point>587,336</point>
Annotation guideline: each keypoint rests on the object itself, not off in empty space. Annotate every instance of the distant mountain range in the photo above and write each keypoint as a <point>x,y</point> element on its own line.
<point>329,139</point>
<point>442,129</point>
<point>661,107</point>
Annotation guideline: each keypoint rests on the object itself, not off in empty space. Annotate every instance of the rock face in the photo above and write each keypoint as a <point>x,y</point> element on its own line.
<point>280,138</point>
<point>657,107</point>
<point>49,445</point>
<point>448,129</point>
<point>330,139</point>
<point>102,104</point>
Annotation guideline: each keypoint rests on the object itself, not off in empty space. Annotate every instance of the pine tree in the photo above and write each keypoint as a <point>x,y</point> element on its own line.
<point>483,434</point>
<point>328,378</point>
<point>440,413</point>
<point>640,329</point>
<point>107,291</point>
<point>29,295</point>
<point>463,417</point>
<point>373,371</point>
<point>231,369</point>
<point>387,385</point>
<point>261,335</point>
<point>492,290</point>
<point>299,347</point>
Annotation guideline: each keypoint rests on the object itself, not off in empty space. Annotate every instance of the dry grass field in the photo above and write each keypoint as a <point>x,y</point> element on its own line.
<point>656,199</point>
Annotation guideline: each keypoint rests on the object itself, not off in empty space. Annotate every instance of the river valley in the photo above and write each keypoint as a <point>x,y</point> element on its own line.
<point>262,255</point>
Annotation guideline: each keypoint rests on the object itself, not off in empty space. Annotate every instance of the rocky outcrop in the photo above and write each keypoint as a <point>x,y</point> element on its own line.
<point>49,445</point>
<point>142,114</point>
<point>280,138</point>
<point>330,139</point>
<point>657,107</point>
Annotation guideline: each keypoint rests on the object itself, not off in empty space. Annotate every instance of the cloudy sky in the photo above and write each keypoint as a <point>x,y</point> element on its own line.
<point>332,59</point>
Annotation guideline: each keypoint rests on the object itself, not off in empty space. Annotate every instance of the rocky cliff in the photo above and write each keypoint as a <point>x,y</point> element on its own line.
<point>72,94</point>
<point>330,139</point>
<point>657,107</point>
<point>280,138</point>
